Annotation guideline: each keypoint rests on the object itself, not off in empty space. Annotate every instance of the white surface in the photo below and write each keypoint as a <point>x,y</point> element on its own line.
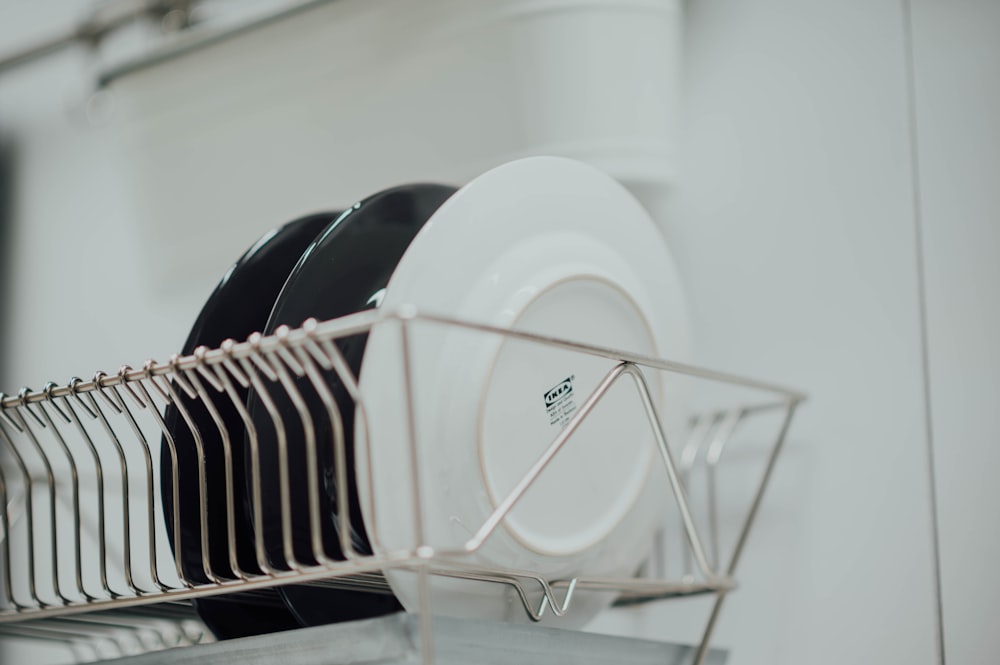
<point>793,227</point>
<point>350,97</point>
<point>80,294</point>
<point>957,47</point>
<point>550,246</point>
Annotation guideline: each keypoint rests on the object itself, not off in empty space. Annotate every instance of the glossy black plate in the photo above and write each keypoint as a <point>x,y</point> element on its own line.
<point>239,305</point>
<point>344,271</point>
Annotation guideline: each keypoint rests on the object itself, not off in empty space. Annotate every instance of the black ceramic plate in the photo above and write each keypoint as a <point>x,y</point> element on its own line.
<point>240,305</point>
<point>344,271</point>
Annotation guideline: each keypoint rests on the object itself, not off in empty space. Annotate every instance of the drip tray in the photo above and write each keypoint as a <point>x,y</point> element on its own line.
<point>396,639</point>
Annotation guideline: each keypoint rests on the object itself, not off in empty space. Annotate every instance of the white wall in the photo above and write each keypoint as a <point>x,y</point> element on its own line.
<point>957,85</point>
<point>794,223</point>
<point>79,296</point>
<point>794,226</point>
<point>808,223</point>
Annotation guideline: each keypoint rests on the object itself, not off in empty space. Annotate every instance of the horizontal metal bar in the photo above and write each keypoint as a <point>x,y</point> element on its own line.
<point>611,354</point>
<point>362,322</point>
<point>346,326</point>
<point>109,17</point>
<point>307,575</point>
<point>196,39</point>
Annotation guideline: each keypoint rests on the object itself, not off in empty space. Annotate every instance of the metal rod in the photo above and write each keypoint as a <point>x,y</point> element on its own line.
<point>305,575</point>
<point>53,505</point>
<point>102,550</point>
<point>175,500</point>
<point>5,522</point>
<point>413,447</point>
<point>697,549</point>
<point>126,513</point>
<point>425,617</point>
<point>605,352</point>
<point>206,563</point>
<point>339,451</point>
<point>522,486</point>
<point>339,364</point>
<point>239,402</point>
<point>227,454</point>
<point>89,32</point>
<point>362,322</point>
<point>201,38</point>
<point>312,463</point>
<point>712,458</point>
<point>150,498</point>
<point>74,501</point>
<point>443,566</point>
<point>689,455</point>
<point>284,490</point>
<point>32,633</point>
<point>745,530</point>
<point>29,513</point>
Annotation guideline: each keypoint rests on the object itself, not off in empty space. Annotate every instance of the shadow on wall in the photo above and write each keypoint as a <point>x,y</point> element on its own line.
<point>6,221</point>
<point>6,212</point>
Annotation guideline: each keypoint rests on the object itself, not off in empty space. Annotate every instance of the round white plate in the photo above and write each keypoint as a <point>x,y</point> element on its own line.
<point>550,246</point>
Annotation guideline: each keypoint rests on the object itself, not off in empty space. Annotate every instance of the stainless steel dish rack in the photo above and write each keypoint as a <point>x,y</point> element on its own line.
<point>86,553</point>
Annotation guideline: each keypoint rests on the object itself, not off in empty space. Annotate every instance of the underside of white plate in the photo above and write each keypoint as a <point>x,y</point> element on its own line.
<point>550,246</point>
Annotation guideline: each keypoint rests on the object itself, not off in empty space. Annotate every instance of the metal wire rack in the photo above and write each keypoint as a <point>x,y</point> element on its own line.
<point>87,552</point>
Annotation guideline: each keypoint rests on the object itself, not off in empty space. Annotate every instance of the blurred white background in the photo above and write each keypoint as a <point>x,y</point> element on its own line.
<point>828,188</point>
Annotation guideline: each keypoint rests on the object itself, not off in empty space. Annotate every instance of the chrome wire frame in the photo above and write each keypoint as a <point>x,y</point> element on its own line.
<point>100,436</point>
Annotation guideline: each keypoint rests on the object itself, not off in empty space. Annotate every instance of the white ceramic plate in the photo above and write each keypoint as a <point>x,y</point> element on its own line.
<point>551,246</point>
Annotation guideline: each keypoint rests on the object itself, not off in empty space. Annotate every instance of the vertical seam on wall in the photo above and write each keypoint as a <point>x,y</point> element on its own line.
<point>918,234</point>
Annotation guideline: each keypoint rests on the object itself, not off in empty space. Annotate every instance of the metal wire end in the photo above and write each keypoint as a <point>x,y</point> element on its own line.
<point>340,366</point>
<point>123,373</point>
<point>74,391</point>
<point>203,370</point>
<point>6,414</point>
<point>47,392</point>
<point>227,348</point>
<point>99,389</point>
<point>305,358</point>
<point>309,326</point>
<point>22,399</point>
<point>147,371</point>
<point>258,359</point>
<point>179,378</point>
<point>286,356</point>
